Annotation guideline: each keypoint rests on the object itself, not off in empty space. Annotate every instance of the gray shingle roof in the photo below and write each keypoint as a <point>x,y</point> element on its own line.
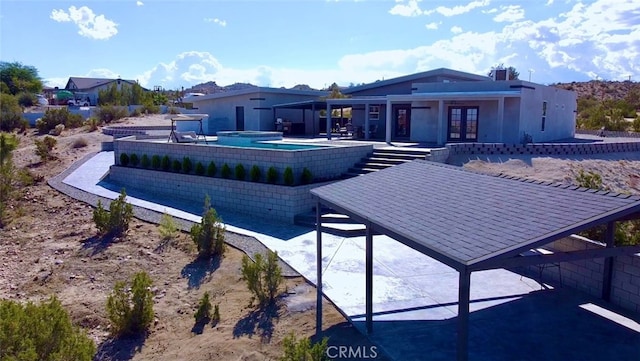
<point>468,217</point>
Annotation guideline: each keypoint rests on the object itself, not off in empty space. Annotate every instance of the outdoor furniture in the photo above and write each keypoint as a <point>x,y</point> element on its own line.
<point>186,137</point>
<point>543,266</point>
<point>373,129</point>
<point>347,130</point>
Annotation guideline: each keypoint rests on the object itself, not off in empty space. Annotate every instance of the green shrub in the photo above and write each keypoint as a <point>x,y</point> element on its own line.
<point>116,221</point>
<point>149,108</point>
<point>187,166</point>
<point>168,228</point>
<point>26,99</point>
<point>209,234</point>
<point>109,113</point>
<point>255,174</point>
<point>41,332</point>
<point>44,148</point>
<point>636,124</point>
<point>212,169</point>
<point>240,172</point>
<point>591,180</point>
<point>135,112</point>
<point>226,171</point>
<point>263,276</point>
<point>134,160</point>
<point>145,161</point>
<point>297,350</point>
<point>215,318</point>
<point>131,312</point>
<point>8,172</point>
<point>57,130</point>
<point>272,175</point>
<point>166,163</point>
<point>53,117</point>
<point>306,177</point>
<point>200,169</point>
<point>10,113</point>
<point>176,165</point>
<point>173,110</point>
<point>155,162</point>
<point>93,123</point>
<point>203,313</point>
<point>288,176</point>
<point>80,143</point>
<point>124,159</point>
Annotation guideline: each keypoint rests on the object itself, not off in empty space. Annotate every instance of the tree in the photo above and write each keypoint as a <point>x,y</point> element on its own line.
<point>210,233</point>
<point>263,276</point>
<point>512,73</point>
<point>10,113</point>
<point>20,78</point>
<point>116,221</point>
<point>131,311</point>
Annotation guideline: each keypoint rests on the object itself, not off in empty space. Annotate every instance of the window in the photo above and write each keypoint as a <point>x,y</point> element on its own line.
<point>544,115</point>
<point>374,112</point>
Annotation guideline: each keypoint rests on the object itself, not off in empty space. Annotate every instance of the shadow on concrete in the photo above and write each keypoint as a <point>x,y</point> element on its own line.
<point>544,325</point>
<point>198,270</point>
<point>120,349</point>
<point>258,321</point>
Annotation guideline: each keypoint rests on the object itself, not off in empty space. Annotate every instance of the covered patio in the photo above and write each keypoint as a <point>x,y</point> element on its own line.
<point>471,222</point>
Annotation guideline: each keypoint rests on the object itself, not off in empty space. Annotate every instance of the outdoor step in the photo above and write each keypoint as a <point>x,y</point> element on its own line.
<point>403,152</point>
<point>374,165</point>
<point>384,160</point>
<point>407,156</point>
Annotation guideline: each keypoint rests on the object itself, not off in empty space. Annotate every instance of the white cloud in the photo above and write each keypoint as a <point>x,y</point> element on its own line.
<point>456,29</point>
<point>89,25</point>
<point>509,13</point>
<point>458,10</point>
<point>139,3</point>
<point>222,23</point>
<point>410,8</point>
<point>432,26</point>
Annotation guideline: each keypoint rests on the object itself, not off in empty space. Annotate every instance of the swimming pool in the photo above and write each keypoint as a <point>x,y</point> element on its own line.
<point>274,146</point>
<point>259,140</point>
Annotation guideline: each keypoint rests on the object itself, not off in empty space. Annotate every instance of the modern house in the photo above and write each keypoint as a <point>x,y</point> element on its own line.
<point>89,87</point>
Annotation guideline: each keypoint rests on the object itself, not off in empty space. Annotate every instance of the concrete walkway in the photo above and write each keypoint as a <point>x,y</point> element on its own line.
<point>415,297</point>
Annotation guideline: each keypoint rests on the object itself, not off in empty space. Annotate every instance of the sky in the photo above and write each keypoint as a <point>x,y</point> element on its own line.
<point>282,43</point>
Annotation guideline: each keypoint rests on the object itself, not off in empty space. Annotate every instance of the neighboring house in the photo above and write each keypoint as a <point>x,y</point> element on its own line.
<point>442,106</point>
<point>253,109</point>
<point>89,87</point>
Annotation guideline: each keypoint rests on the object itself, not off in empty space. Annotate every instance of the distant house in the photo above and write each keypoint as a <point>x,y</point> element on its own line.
<point>89,87</point>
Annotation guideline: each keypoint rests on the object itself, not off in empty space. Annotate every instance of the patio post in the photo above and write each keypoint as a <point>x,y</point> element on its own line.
<point>366,121</point>
<point>442,127</point>
<point>464,291</point>
<point>369,279</point>
<point>500,117</point>
<point>329,120</point>
<point>608,262</point>
<point>318,270</point>
<point>388,122</point>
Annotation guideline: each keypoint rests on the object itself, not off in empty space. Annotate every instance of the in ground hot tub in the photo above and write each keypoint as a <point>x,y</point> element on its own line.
<point>244,138</point>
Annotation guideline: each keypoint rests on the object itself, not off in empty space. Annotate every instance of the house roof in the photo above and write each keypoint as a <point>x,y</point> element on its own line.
<point>254,90</point>
<point>462,218</point>
<point>416,78</point>
<point>90,83</point>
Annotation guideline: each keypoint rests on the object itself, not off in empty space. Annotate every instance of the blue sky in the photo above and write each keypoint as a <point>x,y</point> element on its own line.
<point>317,42</point>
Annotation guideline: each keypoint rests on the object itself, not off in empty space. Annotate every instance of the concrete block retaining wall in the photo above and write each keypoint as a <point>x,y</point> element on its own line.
<point>274,202</point>
<point>586,275</point>
<point>324,163</point>
<point>609,133</point>
<point>541,148</point>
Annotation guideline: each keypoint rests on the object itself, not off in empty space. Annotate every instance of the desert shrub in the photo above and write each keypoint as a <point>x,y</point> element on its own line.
<point>131,311</point>
<point>263,276</point>
<point>200,169</point>
<point>225,172</point>
<point>209,234</point>
<point>296,350</point>
<point>134,160</point>
<point>155,162</point>
<point>109,113</point>
<point>80,143</point>
<point>144,162</point>
<point>93,123</point>
<point>255,174</point>
<point>240,172</point>
<point>166,163</point>
<point>8,143</point>
<point>135,112</point>
<point>168,228</point>
<point>203,313</point>
<point>44,147</point>
<point>176,165</point>
<point>306,177</point>
<point>215,318</point>
<point>57,130</point>
<point>26,99</point>
<point>591,180</point>
<point>272,175</point>
<point>41,332</point>
<point>288,176</point>
<point>173,110</point>
<point>10,113</point>
<point>212,169</point>
<point>53,117</point>
<point>187,165</point>
<point>124,159</point>
<point>149,108</point>
<point>116,221</point>
<point>636,124</point>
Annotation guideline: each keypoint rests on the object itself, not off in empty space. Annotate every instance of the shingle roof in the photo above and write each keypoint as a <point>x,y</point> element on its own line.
<point>89,83</point>
<point>463,218</point>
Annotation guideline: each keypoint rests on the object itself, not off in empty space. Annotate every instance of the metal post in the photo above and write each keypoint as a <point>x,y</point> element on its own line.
<point>318,270</point>
<point>464,291</point>
<point>329,120</point>
<point>608,262</point>
<point>369,279</point>
<point>388,113</point>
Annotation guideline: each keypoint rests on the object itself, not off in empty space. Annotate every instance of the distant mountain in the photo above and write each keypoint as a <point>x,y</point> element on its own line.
<point>211,87</point>
<point>603,90</point>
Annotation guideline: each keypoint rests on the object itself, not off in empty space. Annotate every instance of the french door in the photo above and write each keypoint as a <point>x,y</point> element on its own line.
<point>463,124</point>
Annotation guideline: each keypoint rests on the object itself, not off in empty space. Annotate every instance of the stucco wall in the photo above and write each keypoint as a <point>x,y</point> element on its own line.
<point>560,120</point>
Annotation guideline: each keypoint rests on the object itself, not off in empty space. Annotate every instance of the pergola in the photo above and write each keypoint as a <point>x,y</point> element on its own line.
<point>471,222</point>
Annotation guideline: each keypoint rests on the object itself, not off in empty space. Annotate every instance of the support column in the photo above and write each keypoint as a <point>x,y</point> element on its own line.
<point>442,127</point>
<point>318,270</point>
<point>500,120</point>
<point>464,291</point>
<point>366,121</point>
<point>388,112</point>
<point>329,121</point>
<point>608,262</point>
<point>313,120</point>
<point>369,279</point>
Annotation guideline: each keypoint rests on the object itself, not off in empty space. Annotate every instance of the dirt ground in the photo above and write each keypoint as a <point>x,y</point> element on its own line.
<point>50,248</point>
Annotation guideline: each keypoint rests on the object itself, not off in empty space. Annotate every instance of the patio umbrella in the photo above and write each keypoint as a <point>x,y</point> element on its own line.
<point>64,94</point>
